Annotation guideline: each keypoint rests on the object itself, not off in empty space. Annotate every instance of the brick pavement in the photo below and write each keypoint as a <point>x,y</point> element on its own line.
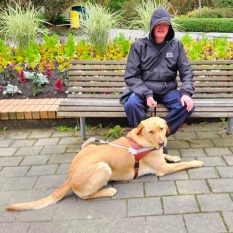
<point>35,162</point>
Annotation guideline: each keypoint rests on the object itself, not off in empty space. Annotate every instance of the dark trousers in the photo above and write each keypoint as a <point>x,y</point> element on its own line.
<point>136,108</point>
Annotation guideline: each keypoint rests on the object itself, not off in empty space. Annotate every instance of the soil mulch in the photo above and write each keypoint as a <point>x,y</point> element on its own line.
<point>46,90</point>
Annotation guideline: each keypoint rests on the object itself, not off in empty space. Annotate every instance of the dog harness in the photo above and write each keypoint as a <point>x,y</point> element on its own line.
<point>141,151</point>
<point>135,149</point>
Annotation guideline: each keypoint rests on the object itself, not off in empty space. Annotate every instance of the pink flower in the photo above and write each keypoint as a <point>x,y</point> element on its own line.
<point>21,77</point>
<point>58,85</point>
<point>48,73</point>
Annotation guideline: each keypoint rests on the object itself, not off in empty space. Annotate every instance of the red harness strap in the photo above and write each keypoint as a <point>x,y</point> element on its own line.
<point>137,156</point>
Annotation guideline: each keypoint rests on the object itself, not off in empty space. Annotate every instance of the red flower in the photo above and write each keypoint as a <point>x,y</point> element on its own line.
<point>21,77</point>
<point>48,73</point>
<point>58,85</point>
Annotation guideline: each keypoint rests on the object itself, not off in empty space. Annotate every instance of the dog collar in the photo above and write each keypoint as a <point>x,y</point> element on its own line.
<point>140,152</point>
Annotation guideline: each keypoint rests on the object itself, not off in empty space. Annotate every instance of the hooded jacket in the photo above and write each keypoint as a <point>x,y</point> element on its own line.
<point>147,81</point>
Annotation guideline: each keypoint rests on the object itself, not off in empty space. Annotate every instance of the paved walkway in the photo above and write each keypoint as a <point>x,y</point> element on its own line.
<point>35,162</point>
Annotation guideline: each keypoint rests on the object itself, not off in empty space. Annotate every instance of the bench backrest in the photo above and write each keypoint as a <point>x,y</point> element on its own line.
<point>105,79</point>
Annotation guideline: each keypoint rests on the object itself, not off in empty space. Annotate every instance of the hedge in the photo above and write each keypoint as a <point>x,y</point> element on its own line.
<point>205,24</point>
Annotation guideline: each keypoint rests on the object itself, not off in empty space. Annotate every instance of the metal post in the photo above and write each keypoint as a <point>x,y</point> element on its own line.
<point>230,125</point>
<point>82,128</point>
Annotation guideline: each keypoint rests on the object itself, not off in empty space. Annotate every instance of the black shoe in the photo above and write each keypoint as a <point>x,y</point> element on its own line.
<point>165,150</point>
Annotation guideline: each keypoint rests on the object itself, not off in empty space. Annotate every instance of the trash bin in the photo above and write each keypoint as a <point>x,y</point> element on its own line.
<point>77,13</point>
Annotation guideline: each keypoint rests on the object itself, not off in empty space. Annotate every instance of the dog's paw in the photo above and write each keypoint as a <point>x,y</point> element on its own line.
<point>173,159</point>
<point>111,191</point>
<point>197,163</point>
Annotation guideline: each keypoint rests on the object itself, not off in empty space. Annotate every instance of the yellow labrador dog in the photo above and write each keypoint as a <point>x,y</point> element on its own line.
<point>140,153</point>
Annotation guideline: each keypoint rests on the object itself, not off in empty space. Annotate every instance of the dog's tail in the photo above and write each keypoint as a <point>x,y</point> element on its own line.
<point>56,196</point>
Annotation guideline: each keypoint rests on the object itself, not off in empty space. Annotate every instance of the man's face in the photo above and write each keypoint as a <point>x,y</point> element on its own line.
<point>160,31</point>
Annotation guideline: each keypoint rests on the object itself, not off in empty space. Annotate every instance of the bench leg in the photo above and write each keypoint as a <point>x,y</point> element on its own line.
<point>230,125</point>
<point>82,128</point>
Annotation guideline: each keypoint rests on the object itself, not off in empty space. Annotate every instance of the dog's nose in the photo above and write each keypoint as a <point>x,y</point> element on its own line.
<point>161,144</point>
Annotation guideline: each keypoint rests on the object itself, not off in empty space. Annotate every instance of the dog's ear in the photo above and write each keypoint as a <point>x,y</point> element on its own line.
<point>139,128</point>
<point>167,129</point>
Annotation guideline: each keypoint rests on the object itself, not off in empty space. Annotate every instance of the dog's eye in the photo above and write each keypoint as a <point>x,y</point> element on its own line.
<point>151,132</point>
<point>161,129</point>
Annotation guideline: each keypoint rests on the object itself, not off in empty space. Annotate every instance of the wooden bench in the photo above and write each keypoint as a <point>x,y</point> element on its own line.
<point>94,89</point>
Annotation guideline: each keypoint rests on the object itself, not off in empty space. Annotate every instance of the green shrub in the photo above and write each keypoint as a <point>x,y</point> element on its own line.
<point>21,24</point>
<point>97,25</point>
<point>144,11</point>
<point>223,3</point>
<point>205,12</point>
<point>205,25</point>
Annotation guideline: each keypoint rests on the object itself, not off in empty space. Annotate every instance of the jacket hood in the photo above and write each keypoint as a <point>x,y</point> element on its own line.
<point>159,15</point>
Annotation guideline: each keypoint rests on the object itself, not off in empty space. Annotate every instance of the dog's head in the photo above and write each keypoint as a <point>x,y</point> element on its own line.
<point>151,133</point>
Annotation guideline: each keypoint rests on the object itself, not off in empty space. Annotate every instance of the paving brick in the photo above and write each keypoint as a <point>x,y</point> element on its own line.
<point>225,172</point>
<point>7,151</point>
<point>199,223</point>
<point>223,142</point>
<point>221,185</point>
<point>10,161</point>
<point>61,158</point>
<point>178,144</point>
<point>95,225</point>
<point>215,202</point>
<point>52,181</point>
<point>14,171</point>
<point>186,135</point>
<point>47,141</point>
<point>165,224</point>
<point>37,215</point>
<point>40,134</point>
<point>44,112</point>
<point>228,216</point>
<point>191,152</point>
<point>208,135</point>
<point>135,224</point>
<point>35,160</point>
<point>62,169</point>
<point>59,149</point>
<point>160,188</point>
<point>3,181</point>
<point>127,190</point>
<point>91,209</point>
<point>20,183</point>
<point>213,161</point>
<point>23,143</point>
<point>27,195</point>
<point>182,175</point>
<point>64,134</point>
<point>5,143</point>
<point>203,143</point>
<point>144,206</point>
<point>192,186</point>
<point>51,227</point>
<point>229,159</point>
<point>217,151</point>
<point>42,170</point>
<point>14,227</point>
<point>203,173</point>
<point>68,141</point>
<point>17,135</point>
<point>180,204</point>
<point>25,151</point>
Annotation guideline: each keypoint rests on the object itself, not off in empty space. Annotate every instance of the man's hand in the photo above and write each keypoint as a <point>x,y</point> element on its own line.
<point>185,99</point>
<point>151,102</point>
